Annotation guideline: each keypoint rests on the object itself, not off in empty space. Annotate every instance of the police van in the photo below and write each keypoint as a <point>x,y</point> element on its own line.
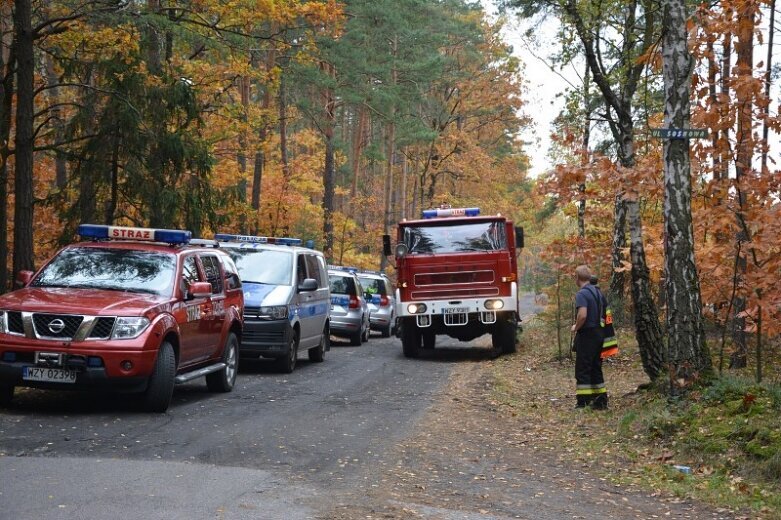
<point>286,296</point>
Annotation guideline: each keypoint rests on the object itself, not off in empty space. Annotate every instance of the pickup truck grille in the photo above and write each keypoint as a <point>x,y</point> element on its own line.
<point>15,323</point>
<point>59,326</point>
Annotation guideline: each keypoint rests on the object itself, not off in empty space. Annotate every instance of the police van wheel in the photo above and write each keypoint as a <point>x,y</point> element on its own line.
<point>317,354</point>
<point>367,333</point>
<point>225,379</point>
<point>6,395</point>
<point>160,388</point>
<point>410,340</point>
<point>503,337</point>
<point>357,338</point>
<point>288,363</point>
<point>387,331</point>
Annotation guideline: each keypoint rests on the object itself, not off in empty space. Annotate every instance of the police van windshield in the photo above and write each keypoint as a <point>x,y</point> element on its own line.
<point>110,269</point>
<point>478,236</point>
<point>263,266</point>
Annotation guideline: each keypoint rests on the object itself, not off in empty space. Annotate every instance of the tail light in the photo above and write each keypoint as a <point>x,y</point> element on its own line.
<point>384,301</point>
<point>354,303</point>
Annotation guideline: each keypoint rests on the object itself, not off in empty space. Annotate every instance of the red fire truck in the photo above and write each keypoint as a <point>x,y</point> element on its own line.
<point>456,275</point>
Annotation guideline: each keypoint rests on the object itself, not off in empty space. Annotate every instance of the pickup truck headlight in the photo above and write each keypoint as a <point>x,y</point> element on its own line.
<point>3,322</point>
<point>274,312</point>
<point>129,327</point>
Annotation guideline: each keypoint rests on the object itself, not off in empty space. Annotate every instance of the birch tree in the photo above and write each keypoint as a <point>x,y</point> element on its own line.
<point>687,351</point>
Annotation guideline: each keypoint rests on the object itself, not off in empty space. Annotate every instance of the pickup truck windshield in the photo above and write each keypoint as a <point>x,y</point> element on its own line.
<point>479,236</point>
<point>110,269</point>
<point>263,265</point>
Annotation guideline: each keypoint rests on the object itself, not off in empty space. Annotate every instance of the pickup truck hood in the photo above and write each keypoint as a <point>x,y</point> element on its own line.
<point>93,302</point>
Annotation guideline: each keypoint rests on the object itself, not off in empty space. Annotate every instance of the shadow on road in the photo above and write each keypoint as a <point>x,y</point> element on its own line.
<point>455,354</point>
<point>32,401</point>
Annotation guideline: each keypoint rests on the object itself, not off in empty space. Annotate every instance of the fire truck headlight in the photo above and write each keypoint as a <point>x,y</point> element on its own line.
<point>494,305</point>
<point>401,250</point>
<point>416,308</point>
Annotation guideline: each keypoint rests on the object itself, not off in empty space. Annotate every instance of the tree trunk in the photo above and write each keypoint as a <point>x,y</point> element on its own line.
<point>744,69</point>
<point>390,136</point>
<point>647,329</point>
<point>768,80</point>
<point>687,351</point>
<point>111,203</point>
<point>329,172</point>
<point>359,140</point>
<point>60,162</point>
<point>7,65</point>
<point>23,188</point>
<point>586,159</point>
<point>617,255</point>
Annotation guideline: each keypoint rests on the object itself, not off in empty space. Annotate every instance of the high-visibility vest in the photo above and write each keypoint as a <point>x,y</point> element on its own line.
<point>609,341</point>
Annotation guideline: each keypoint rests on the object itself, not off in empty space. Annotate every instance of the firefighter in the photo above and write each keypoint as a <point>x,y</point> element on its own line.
<point>591,389</point>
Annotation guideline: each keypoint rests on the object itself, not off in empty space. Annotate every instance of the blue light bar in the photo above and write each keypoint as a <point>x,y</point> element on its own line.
<point>353,270</point>
<point>451,212</point>
<point>170,236</point>
<point>282,241</point>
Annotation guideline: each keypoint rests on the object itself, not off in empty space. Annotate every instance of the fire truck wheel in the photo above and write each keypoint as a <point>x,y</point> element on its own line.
<point>410,340</point>
<point>503,337</point>
<point>223,380</point>
<point>6,395</point>
<point>429,339</point>
<point>160,388</point>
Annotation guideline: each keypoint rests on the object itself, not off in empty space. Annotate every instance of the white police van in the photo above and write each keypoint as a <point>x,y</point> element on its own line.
<point>286,298</point>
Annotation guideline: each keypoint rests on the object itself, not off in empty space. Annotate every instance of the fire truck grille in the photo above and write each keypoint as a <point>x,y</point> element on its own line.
<point>454,278</point>
<point>60,326</point>
<point>434,294</point>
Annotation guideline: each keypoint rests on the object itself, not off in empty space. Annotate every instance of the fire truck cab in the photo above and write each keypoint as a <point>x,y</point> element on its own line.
<point>456,276</point>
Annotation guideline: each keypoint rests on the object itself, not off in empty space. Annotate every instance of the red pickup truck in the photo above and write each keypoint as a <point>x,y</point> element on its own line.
<point>129,309</point>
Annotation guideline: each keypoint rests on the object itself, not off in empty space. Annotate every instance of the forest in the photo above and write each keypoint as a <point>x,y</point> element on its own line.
<point>332,121</point>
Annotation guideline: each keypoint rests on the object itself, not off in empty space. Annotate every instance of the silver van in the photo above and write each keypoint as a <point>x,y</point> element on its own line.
<point>287,303</point>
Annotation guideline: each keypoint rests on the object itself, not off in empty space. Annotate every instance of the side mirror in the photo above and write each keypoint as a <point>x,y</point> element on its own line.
<point>309,284</point>
<point>201,289</point>
<point>386,245</point>
<point>519,237</point>
<point>23,278</point>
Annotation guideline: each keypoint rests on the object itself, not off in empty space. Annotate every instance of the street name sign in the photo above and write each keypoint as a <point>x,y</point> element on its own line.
<point>679,133</point>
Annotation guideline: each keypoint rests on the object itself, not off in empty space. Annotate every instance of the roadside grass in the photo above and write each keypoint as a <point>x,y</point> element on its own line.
<point>728,435</point>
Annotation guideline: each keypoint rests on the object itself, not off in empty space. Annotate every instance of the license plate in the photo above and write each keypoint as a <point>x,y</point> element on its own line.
<point>455,310</point>
<point>49,375</point>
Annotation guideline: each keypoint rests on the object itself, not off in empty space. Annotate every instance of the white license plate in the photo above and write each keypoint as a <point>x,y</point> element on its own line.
<point>455,310</point>
<point>49,375</point>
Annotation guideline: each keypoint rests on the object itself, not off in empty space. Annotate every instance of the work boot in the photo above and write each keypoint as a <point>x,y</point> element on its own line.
<point>600,402</point>
<point>583,401</point>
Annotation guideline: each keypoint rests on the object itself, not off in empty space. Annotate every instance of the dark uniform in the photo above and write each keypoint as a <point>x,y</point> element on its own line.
<point>588,348</point>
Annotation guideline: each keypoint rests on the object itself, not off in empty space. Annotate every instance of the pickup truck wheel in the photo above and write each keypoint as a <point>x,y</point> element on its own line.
<point>503,337</point>
<point>288,363</point>
<point>160,388</point>
<point>410,339</point>
<point>224,380</point>
<point>317,354</point>
<point>6,395</point>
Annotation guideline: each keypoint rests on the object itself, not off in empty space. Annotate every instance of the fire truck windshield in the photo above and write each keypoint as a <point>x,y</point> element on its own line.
<point>446,237</point>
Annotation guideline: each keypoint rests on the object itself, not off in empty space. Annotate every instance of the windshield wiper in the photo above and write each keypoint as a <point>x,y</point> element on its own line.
<point>259,283</point>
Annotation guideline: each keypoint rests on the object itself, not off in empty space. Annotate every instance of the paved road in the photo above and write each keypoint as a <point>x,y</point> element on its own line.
<point>282,444</point>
